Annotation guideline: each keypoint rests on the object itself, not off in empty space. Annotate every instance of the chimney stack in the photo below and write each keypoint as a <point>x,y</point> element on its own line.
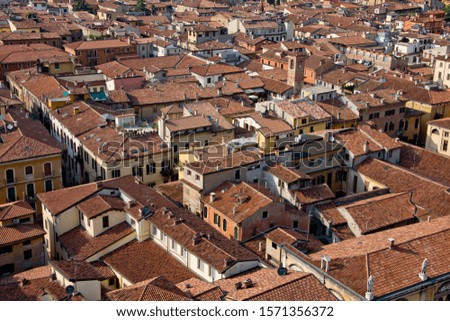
<point>325,263</point>
<point>212,197</point>
<point>391,243</point>
<point>366,146</point>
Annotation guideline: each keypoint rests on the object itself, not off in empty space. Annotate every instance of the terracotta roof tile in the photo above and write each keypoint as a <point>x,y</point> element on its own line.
<point>200,290</point>
<point>314,194</point>
<point>269,286</point>
<point>18,233</point>
<point>136,262</point>
<point>156,289</point>
<point>400,180</point>
<point>15,210</point>
<point>425,163</point>
<point>81,246</point>
<point>77,270</point>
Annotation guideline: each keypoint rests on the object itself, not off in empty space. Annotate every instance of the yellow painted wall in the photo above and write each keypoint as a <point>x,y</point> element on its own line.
<point>21,180</point>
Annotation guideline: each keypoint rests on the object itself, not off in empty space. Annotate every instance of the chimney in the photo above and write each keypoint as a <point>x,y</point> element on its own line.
<point>131,203</point>
<point>76,110</point>
<point>196,239</point>
<point>260,244</point>
<point>429,218</point>
<point>248,283</point>
<point>423,272</point>
<point>238,286</point>
<point>339,115</point>
<point>234,209</point>
<point>219,92</point>
<point>212,197</point>
<point>391,243</point>
<point>227,261</point>
<point>366,146</point>
<point>325,263</point>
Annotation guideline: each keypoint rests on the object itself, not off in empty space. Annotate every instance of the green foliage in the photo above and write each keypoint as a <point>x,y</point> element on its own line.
<point>140,6</point>
<point>447,12</point>
<point>80,5</point>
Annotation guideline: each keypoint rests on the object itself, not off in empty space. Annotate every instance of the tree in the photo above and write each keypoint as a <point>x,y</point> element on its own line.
<point>447,12</point>
<point>80,5</point>
<point>140,6</point>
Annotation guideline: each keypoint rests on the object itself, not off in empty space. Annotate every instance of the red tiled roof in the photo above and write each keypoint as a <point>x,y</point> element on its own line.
<point>77,270</point>
<point>81,246</point>
<point>156,289</point>
<point>15,210</point>
<point>269,286</point>
<point>136,262</point>
<point>18,233</point>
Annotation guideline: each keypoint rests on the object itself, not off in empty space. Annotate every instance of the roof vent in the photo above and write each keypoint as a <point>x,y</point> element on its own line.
<point>391,243</point>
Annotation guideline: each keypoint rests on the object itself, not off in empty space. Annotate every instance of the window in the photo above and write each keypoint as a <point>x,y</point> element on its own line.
<point>188,172</point>
<point>236,232</point>
<point>274,245</point>
<point>6,249</point>
<point>105,221</point>
<point>216,218</point>
<point>7,269</point>
<point>295,224</point>
<point>224,225</point>
<point>445,146</point>
<point>48,185</point>
<point>115,173</point>
<point>29,170</point>
<point>152,168</point>
<point>175,148</point>
<point>111,282</point>
<point>47,169</point>
<point>389,112</point>
<point>416,124</point>
<point>26,243</point>
<point>304,121</point>
<point>265,214</point>
<point>197,177</point>
<point>27,255</point>
<point>311,129</point>
<point>9,176</point>
<point>30,190</point>
<point>56,65</point>
<point>11,194</point>
<point>237,174</point>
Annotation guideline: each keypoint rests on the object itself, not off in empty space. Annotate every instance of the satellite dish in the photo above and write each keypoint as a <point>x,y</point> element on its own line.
<point>70,289</point>
<point>282,271</point>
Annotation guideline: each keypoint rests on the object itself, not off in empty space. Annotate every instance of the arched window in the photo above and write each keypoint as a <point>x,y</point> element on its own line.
<point>291,64</point>
<point>435,131</point>
<point>391,126</point>
<point>236,233</point>
<point>224,225</point>
<point>386,125</point>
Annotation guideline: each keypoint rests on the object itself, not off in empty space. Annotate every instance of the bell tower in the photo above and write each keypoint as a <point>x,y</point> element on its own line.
<point>296,63</point>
